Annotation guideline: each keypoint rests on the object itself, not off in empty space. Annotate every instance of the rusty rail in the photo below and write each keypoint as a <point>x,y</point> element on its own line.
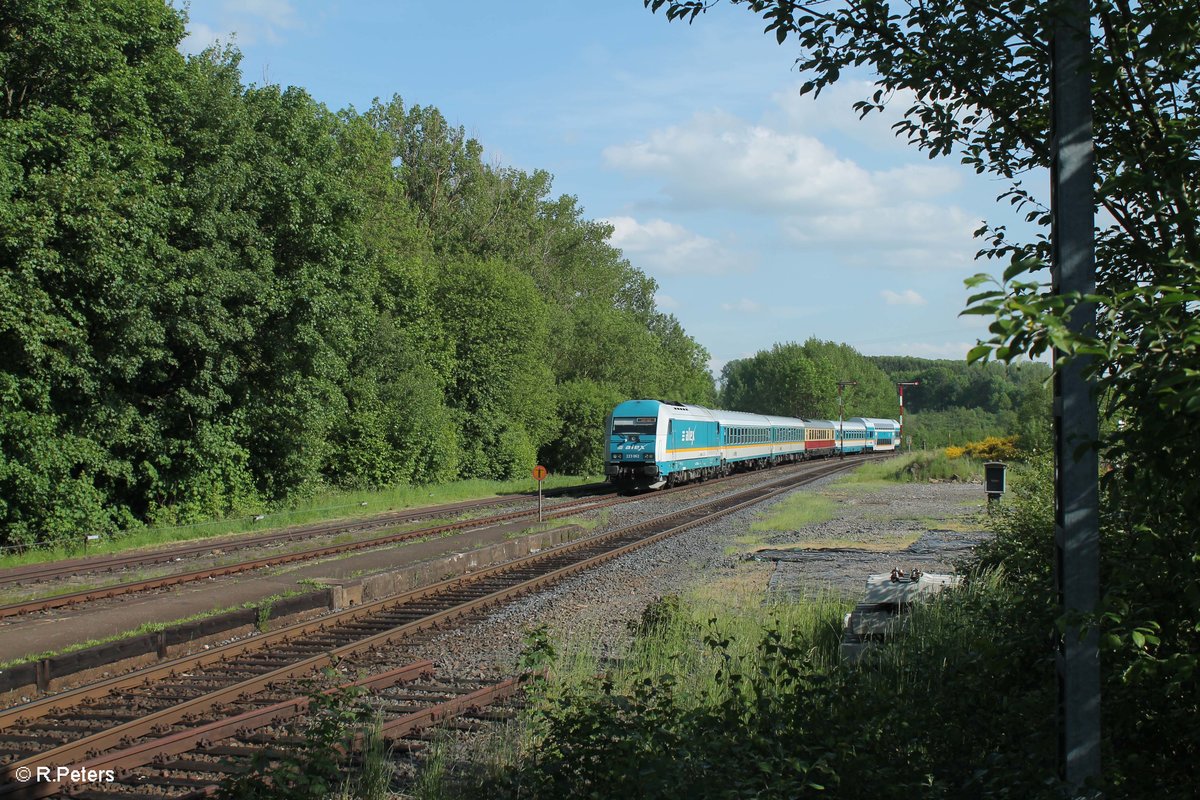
<point>105,592</point>
<point>158,749</point>
<point>460,596</point>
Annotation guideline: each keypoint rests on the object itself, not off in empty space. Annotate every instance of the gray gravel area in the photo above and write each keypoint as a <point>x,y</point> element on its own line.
<point>946,518</point>
<point>600,605</point>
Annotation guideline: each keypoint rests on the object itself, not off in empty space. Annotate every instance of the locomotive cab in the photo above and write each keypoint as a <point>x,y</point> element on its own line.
<point>631,444</point>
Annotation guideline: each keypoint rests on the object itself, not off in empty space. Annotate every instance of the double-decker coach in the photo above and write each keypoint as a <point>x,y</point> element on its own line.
<point>881,433</point>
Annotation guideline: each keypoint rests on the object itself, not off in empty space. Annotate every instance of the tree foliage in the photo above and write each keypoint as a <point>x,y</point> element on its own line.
<point>975,81</point>
<point>216,297</point>
<point>801,381</point>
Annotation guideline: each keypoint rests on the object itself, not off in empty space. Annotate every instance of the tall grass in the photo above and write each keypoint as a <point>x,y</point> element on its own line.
<point>761,691</point>
<point>677,638</point>
<point>916,467</point>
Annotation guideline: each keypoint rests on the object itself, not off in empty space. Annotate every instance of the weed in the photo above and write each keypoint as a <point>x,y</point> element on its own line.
<point>797,511</point>
<point>311,769</point>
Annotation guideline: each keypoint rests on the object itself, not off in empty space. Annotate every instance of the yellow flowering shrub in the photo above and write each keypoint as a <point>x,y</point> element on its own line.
<point>993,448</point>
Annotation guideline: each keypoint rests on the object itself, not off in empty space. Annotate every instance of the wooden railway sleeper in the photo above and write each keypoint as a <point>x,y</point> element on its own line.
<point>369,626</point>
<point>251,670</point>
<point>28,738</point>
<point>182,783</point>
<point>326,642</point>
<point>255,664</point>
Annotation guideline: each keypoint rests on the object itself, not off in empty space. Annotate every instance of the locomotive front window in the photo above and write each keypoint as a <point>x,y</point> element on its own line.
<point>634,425</point>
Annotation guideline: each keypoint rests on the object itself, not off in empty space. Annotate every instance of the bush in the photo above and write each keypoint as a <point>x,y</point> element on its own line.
<point>780,717</point>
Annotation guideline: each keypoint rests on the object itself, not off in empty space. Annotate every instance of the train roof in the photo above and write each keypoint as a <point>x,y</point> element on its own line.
<point>876,422</point>
<point>636,408</point>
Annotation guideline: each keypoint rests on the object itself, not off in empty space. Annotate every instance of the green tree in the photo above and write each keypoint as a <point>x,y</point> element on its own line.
<point>500,384</point>
<point>579,447</point>
<point>976,79</point>
<point>784,380</point>
<point>84,214</point>
<point>874,396</point>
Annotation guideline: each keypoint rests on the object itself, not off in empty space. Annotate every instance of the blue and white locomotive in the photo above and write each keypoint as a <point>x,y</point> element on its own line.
<point>652,444</point>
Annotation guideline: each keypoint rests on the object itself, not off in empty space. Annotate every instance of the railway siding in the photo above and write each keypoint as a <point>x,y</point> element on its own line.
<point>466,553</point>
<point>237,672</point>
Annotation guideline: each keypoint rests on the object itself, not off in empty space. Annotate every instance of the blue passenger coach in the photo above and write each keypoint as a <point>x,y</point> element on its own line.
<point>650,443</point>
<point>852,437</point>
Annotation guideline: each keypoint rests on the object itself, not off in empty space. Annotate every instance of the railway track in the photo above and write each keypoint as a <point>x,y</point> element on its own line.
<point>70,727</point>
<point>570,507</point>
<point>308,554</point>
<point>114,563</point>
<point>193,761</point>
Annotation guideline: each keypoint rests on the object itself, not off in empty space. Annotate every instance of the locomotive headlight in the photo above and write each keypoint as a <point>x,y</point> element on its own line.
<point>616,456</point>
<point>648,456</point>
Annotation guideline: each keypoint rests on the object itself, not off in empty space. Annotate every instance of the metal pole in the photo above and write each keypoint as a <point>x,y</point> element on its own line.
<point>900,387</point>
<point>1076,496</point>
<point>539,501</point>
<point>841,428</point>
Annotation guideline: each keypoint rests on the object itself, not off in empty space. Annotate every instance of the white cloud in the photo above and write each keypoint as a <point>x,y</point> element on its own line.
<point>265,19</point>
<point>660,247</point>
<point>665,302</point>
<point>908,297</point>
<point>745,305</point>
<point>275,12</point>
<point>720,161</point>
<point>896,217</point>
<point>199,37</point>
<point>246,21</point>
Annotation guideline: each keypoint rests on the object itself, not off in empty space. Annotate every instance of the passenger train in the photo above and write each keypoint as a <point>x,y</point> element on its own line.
<point>652,444</point>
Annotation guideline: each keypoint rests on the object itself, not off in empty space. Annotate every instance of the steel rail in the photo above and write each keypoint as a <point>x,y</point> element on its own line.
<point>150,584</point>
<point>209,736</point>
<point>116,561</point>
<point>686,518</point>
<point>296,630</point>
<point>226,652</point>
<point>580,506</point>
<point>144,752</point>
<point>112,563</point>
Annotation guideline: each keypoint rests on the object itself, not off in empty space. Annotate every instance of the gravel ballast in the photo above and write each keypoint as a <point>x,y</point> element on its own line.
<point>600,605</point>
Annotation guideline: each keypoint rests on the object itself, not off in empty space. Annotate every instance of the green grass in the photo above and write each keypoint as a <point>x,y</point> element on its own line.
<point>700,664</point>
<point>797,511</point>
<point>671,635</point>
<point>322,507</point>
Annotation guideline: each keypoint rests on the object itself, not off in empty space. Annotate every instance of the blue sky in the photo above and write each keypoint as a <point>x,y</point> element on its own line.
<point>763,216</point>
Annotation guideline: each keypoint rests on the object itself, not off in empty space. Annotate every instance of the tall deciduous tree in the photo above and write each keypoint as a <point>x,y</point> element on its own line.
<point>214,298</point>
